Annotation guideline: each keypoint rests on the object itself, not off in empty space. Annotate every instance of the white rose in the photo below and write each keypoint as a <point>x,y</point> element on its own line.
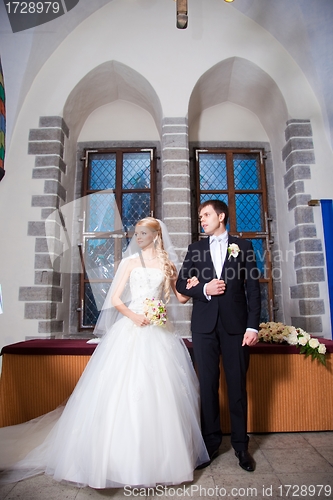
<point>322,349</point>
<point>302,340</point>
<point>314,343</point>
<point>292,339</point>
<point>306,336</point>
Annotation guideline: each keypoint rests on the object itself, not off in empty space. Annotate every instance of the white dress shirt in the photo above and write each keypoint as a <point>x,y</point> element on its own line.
<point>218,246</point>
<point>218,250</point>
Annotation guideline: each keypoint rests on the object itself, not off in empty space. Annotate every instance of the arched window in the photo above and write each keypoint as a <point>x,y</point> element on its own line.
<point>2,124</point>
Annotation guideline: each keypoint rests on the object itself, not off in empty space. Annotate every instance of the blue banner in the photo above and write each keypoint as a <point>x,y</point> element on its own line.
<point>327,214</point>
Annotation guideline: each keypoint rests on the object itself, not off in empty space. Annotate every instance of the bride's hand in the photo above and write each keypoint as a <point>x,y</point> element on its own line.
<point>192,282</point>
<point>140,320</point>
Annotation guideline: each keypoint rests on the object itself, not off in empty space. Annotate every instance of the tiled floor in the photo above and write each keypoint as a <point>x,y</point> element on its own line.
<point>295,465</point>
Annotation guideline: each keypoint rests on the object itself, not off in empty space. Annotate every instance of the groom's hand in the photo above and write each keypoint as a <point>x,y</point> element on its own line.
<point>250,338</point>
<point>215,287</point>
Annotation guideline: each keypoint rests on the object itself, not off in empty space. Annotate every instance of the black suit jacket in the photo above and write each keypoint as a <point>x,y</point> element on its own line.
<point>239,306</point>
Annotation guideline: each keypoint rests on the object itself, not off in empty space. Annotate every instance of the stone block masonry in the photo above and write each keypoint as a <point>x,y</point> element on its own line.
<point>42,298</point>
<point>298,154</point>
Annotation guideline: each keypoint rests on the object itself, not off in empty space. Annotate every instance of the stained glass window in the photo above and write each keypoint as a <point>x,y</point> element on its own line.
<point>213,172</point>
<point>2,123</point>
<point>136,170</point>
<point>237,177</point>
<point>246,171</point>
<point>118,191</point>
<point>102,171</point>
<point>249,212</point>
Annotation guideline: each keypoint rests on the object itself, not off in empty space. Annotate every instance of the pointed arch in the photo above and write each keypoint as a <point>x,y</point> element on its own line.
<point>241,82</point>
<point>104,84</point>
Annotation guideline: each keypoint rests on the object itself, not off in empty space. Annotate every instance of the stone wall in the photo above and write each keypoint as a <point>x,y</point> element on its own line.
<point>42,298</point>
<point>298,154</point>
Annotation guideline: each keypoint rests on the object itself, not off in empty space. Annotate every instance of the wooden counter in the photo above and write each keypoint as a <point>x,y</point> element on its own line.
<point>286,391</point>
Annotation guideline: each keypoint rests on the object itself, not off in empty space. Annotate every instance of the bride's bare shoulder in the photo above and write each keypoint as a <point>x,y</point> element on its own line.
<point>131,262</point>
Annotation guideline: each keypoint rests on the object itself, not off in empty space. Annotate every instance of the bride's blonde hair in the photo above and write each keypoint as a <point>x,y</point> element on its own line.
<point>162,255</point>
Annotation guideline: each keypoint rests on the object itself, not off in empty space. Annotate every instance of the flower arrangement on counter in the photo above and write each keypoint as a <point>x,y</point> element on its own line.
<point>279,333</point>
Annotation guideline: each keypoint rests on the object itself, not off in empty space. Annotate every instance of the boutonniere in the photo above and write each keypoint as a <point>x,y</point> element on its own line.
<point>233,250</point>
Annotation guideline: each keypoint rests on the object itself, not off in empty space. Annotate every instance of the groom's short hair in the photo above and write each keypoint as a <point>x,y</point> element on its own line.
<point>219,206</point>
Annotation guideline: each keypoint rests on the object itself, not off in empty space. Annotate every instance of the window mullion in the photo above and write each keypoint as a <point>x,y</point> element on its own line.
<point>231,192</point>
<point>119,184</point>
<point>152,182</point>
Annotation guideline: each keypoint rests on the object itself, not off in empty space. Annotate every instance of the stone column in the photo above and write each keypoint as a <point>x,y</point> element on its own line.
<point>176,193</point>
<point>42,298</point>
<point>176,199</point>
<point>298,154</point>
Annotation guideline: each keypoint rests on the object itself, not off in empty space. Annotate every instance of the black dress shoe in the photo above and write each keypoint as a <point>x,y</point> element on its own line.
<point>245,460</point>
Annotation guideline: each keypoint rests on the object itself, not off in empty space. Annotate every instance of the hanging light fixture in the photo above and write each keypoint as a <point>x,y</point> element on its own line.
<point>182,14</point>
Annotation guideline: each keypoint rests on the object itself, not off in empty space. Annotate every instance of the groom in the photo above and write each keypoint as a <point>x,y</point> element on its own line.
<point>225,320</point>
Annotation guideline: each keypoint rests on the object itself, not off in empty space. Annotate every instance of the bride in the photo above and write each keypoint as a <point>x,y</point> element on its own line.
<point>133,418</point>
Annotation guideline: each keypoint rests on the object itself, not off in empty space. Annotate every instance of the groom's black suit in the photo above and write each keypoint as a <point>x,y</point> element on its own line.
<point>218,326</point>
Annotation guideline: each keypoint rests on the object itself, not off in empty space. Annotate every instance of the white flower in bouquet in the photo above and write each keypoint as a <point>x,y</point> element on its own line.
<point>322,349</point>
<point>302,340</point>
<point>314,343</point>
<point>303,335</point>
<point>154,310</point>
<point>292,338</point>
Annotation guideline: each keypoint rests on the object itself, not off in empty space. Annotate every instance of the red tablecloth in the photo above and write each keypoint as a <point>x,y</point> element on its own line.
<point>80,347</point>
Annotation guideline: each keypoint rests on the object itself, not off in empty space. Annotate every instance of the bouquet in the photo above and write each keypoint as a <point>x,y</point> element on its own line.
<point>154,310</point>
<point>280,333</point>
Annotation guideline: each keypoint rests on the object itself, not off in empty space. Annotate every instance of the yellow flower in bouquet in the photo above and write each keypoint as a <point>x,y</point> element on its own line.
<point>155,311</point>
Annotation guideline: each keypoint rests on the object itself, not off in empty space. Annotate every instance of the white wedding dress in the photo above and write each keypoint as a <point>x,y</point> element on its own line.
<point>133,418</point>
